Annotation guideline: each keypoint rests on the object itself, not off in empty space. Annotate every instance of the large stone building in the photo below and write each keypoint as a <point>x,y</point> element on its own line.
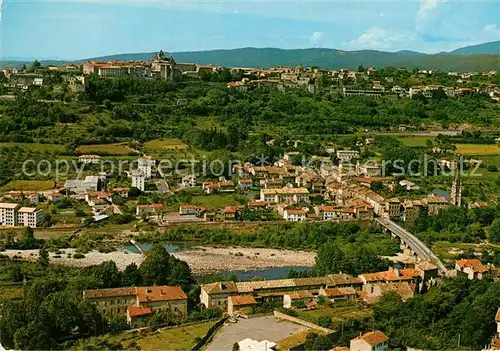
<point>284,195</point>
<point>148,298</point>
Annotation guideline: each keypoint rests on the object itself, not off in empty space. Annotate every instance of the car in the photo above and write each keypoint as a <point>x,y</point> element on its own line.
<point>232,320</point>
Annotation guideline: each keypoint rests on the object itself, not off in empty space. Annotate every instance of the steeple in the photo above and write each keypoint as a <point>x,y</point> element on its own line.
<point>456,188</point>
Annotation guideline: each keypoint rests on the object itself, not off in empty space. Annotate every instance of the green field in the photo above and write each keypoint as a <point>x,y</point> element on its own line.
<point>415,141</point>
<point>178,338</point>
<point>339,311</point>
<point>28,185</point>
<point>478,149</point>
<point>165,144</point>
<point>35,147</point>
<point>109,149</point>
<point>11,292</point>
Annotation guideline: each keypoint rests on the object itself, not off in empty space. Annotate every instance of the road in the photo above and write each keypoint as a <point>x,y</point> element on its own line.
<point>415,244</point>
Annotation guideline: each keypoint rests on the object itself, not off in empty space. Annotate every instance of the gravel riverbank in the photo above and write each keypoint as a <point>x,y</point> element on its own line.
<point>202,259</point>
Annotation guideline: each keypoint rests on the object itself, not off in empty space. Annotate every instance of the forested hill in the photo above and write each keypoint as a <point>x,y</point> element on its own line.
<point>486,48</point>
<point>326,58</point>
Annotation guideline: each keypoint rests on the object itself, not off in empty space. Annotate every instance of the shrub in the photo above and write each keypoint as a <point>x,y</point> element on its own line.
<point>78,255</point>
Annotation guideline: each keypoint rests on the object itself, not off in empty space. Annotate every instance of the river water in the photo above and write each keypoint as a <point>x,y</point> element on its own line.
<point>242,275</point>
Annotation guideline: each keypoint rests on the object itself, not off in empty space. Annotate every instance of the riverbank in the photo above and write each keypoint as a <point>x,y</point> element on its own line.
<point>203,260</point>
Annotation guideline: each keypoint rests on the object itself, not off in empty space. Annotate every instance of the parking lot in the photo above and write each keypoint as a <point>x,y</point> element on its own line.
<point>257,328</point>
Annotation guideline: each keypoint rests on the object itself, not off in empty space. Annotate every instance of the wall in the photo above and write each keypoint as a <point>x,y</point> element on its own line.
<point>301,322</point>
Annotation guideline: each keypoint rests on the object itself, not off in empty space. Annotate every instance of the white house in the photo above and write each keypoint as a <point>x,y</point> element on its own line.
<point>190,210</point>
<point>347,155</point>
<point>89,159</point>
<point>294,215</point>
<point>371,341</point>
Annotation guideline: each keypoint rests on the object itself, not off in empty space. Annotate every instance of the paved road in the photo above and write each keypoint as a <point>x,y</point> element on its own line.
<point>258,328</point>
<point>415,244</point>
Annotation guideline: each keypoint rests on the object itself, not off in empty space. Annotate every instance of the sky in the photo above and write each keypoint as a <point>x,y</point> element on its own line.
<point>78,29</point>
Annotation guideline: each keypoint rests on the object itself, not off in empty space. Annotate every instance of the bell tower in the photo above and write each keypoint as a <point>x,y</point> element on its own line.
<point>456,187</point>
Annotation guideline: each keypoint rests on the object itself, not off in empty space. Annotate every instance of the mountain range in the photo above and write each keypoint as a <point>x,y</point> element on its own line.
<point>471,58</point>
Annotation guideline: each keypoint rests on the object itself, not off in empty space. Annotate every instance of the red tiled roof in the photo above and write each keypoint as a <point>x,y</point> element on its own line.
<point>327,208</point>
<point>495,343</point>
<point>160,293</point>
<point>468,262</point>
<point>189,207</point>
<point>156,206</point>
<point>96,293</point>
<point>246,181</point>
<point>134,311</point>
<point>374,338</point>
<point>296,212</point>
<point>231,209</point>
<point>256,204</point>
<point>333,292</point>
<point>242,300</point>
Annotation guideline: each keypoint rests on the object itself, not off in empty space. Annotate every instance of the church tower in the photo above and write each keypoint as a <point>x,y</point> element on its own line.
<point>456,188</point>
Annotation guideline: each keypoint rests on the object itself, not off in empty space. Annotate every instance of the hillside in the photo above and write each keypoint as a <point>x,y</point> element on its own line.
<point>491,48</point>
<point>325,58</point>
<point>473,58</point>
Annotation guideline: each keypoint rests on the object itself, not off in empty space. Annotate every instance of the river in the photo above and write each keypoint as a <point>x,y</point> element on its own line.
<point>242,275</point>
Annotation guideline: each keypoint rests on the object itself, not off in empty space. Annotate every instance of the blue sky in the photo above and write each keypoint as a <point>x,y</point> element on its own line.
<point>74,29</point>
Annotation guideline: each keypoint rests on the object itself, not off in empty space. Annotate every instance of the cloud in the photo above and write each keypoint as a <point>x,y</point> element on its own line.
<point>428,15</point>
<point>316,37</point>
<point>379,38</point>
<point>493,30</point>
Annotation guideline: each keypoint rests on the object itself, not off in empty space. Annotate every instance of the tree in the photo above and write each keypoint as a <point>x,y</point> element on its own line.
<point>131,276</point>
<point>330,259</point>
<point>155,269</point>
<point>494,234</point>
<point>43,257</point>
<point>36,64</point>
<point>325,321</point>
<point>28,240</point>
<point>180,274</point>
<point>108,274</point>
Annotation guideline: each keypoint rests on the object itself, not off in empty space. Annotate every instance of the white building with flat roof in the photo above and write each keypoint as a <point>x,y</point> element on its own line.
<point>30,217</point>
<point>146,165</point>
<point>81,186</point>
<point>138,179</point>
<point>8,214</point>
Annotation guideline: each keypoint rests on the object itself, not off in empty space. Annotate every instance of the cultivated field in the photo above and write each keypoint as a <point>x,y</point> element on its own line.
<point>415,141</point>
<point>108,149</point>
<point>165,144</point>
<point>478,149</point>
<point>28,185</point>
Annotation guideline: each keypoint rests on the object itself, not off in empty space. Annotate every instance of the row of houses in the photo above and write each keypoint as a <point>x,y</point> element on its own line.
<point>238,297</point>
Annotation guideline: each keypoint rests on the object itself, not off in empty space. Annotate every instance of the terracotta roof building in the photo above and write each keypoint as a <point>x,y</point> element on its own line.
<point>371,341</point>
<point>136,301</point>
